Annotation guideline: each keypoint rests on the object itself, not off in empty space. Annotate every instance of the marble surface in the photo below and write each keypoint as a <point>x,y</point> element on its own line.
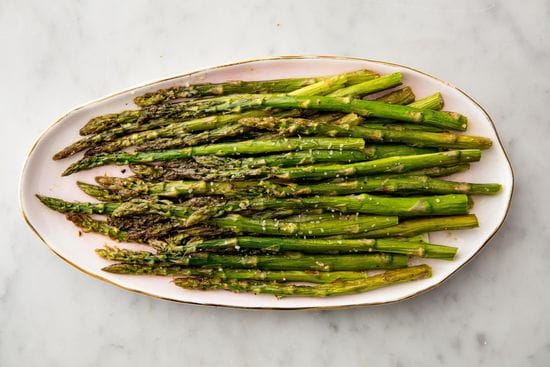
<point>56,55</point>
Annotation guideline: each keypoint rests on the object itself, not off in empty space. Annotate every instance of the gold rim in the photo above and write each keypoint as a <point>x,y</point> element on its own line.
<point>272,308</point>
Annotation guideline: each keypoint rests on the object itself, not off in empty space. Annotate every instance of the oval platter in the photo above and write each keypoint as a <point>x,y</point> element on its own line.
<point>42,175</point>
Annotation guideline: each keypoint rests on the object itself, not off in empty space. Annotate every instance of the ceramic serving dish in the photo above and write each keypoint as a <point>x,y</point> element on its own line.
<point>42,175</point>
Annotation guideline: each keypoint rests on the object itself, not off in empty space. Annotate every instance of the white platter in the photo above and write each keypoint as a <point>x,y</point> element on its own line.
<point>42,175</point>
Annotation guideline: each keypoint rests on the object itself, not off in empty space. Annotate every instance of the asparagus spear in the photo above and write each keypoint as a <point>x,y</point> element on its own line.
<point>62,206</point>
<point>142,132</point>
<point>414,227</point>
<point>400,96</point>
<point>178,134</point>
<point>211,167</point>
<point>191,215</point>
<point>393,125</point>
<point>432,102</point>
<point>399,164</point>
<point>120,189</point>
<point>300,158</point>
<point>430,172</point>
<point>115,189</point>
<point>209,129</point>
<point>308,276</point>
<point>336,288</point>
<point>319,246</point>
<point>433,164</point>
<point>162,236</point>
<point>370,152</point>
<point>415,138</point>
<point>291,261</point>
<point>402,185</point>
<point>447,120</point>
<point>239,224</point>
<point>242,147</point>
<point>365,203</point>
<point>109,135</point>
<point>184,139</point>
<point>370,86</point>
<point>105,122</point>
<point>104,194</point>
<point>120,209</point>
<point>177,170</point>
<point>322,87</point>
<point>170,137</point>
<point>232,87</point>
<point>89,225</point>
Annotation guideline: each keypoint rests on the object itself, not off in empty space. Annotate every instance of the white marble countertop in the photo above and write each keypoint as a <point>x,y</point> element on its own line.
<point>56,55</point>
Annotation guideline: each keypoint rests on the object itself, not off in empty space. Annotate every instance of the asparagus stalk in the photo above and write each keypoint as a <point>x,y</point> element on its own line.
<point>362,224</point>
<point>400,96</point>
<point>301,158</point>
<point>399,164</point>
<point>117,189</point>
<point>320,246</point>
<point>102,123</point>
<point>370,86</point>
<point>104,194</point>
<point>432,102</point>
<point>242,147</point>
<point>415,138</point>
<point>191,215</point>
<point>120,189</point>
<point>291,261</point>
<point>180,170</point>
<point>414,227</point>
<point>364,203</point>
<point>162,127</point>
<point>401,185</point>
<point>393,125</point>
<point>322,87</point>
<point>119,209</point>
<point>89,225</point>
<point>416,166</point>
<point>211,167</point>
<point>447,120</point>
<point>109,135</point>
<point>309,276</point>
<point>162,236</point>
<point>336,288</point>
<point>172,138</point>
<point>62,206</point>
<point>232,87</point>
<point>106,122</point>
<point>184,139</point>
<point>430,172</point>
<point>200,124</point>
<point>198,165</point>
